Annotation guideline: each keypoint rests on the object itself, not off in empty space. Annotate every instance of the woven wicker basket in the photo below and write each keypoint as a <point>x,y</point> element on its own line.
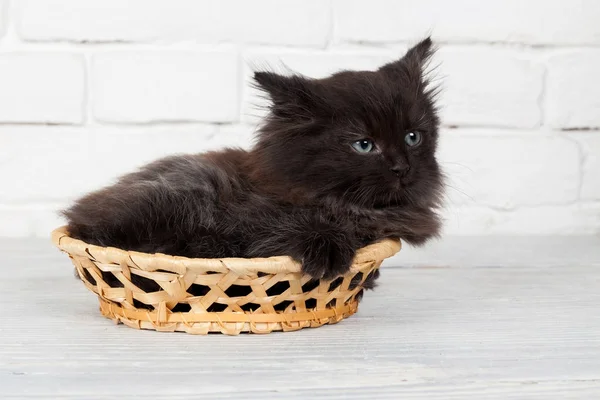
<point>229,295</point>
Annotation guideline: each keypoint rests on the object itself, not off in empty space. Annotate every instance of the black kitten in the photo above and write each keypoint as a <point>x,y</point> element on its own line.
<point>339,163</point>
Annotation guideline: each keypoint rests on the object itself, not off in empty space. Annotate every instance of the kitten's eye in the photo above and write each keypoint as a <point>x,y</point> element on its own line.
<point>363,145</point>
<point>412,138</point>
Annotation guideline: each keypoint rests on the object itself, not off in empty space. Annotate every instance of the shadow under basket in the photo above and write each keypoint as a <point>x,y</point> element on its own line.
<point>227,295</point>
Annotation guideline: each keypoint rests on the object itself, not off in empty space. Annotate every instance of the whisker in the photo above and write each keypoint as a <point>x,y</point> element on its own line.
<point>461,192</point>
<point>458,164</point>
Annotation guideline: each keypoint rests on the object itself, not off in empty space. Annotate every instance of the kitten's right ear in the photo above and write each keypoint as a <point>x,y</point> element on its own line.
<point>413,63</point>
<point>291,95</point>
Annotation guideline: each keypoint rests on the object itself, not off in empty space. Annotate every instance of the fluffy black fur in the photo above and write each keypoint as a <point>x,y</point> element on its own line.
<point>303,190</point>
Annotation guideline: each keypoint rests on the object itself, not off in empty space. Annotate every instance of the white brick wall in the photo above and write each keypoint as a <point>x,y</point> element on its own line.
<point>573,99</point>
<point>549,22</point>
<point>590,185</point>
<point>509,169</point>
<point>91,89</point>
<point>490,86</point>
<point>288,23</point>
<point>3,6</point>
<point>41,87</point>
<point>133,87</point>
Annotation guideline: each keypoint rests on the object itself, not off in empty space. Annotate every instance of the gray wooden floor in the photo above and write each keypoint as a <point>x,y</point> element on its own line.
<point>426,333</point>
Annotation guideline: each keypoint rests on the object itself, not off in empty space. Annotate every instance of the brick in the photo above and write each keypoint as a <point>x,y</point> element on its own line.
<point>507,170</point>
<point>590,146</point>
<point>314,64</point>
<point>54,164</point>
<point>380,20</point>
<point>573,90</point>
<point>512,21</point>
<point>575,219</point>
<point>293,22</point>
<point>150,86</point>
<point>3,16</point>
<point>41,87</point>
<point>41,164</point>
<point>493,87</point>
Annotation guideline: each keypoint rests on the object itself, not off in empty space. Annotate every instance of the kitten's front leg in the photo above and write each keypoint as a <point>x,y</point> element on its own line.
<point>415,226</point>
<point>326,255</point>
<point>324,248</point>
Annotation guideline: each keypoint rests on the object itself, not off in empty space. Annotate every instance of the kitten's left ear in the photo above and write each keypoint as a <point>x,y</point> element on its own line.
<point>413,63</point>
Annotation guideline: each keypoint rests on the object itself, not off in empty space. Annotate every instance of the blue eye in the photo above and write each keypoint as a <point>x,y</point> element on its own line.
<point>363,145</point>
<point>412,139</point>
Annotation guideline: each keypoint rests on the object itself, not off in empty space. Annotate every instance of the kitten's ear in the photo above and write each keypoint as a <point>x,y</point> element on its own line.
<point>413,63</point>
<point>421,52</point>
<point>292,96</point>
<point>279,87</point>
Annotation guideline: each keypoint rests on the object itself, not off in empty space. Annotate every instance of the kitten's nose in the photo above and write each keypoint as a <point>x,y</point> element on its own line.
<point>399,169</point>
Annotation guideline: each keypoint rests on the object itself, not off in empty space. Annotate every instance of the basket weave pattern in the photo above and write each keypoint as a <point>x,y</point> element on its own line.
<point>229,295</point>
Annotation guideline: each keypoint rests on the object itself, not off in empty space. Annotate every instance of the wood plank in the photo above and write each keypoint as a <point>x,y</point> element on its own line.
<point>425,333</point>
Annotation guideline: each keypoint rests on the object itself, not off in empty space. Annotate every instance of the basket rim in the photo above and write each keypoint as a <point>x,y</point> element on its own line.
<point>374,252</point>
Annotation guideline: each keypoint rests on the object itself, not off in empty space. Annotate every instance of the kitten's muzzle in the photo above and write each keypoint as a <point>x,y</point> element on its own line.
<point>400,169</point>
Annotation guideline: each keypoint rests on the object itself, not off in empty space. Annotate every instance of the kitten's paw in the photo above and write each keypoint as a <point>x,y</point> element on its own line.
<point>415,227</point>
<point>428,230</point>
<point>326,258</point>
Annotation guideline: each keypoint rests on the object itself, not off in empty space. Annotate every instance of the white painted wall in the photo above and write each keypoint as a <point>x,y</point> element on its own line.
<point>91,89</point>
